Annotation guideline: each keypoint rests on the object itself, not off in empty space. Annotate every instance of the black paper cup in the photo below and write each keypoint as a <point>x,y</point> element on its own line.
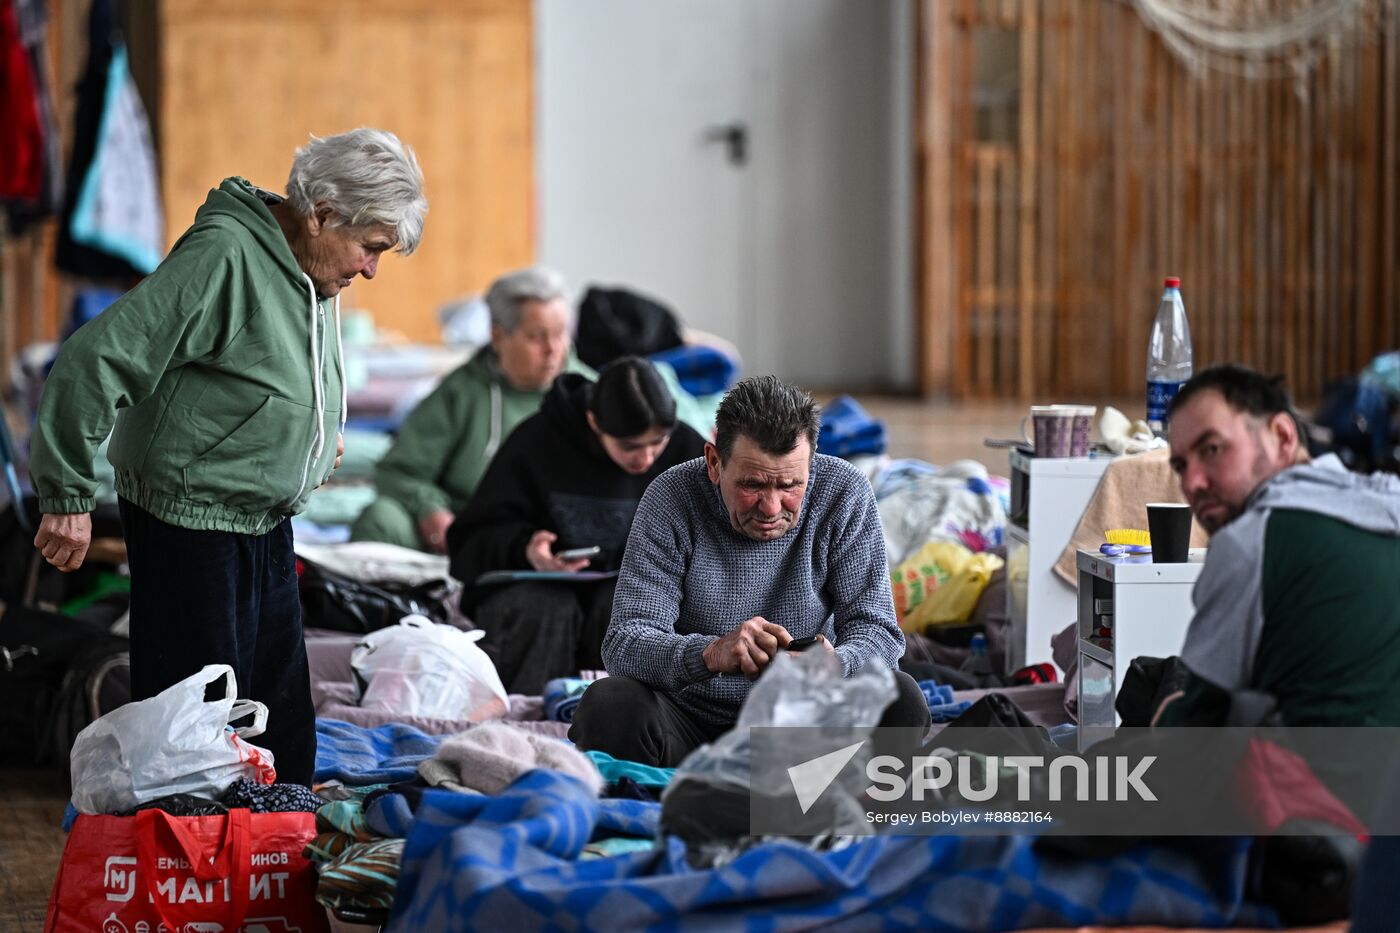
<point>1169,524</point>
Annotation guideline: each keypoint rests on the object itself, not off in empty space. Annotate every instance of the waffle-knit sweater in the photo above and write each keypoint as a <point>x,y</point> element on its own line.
<point>688,578</point>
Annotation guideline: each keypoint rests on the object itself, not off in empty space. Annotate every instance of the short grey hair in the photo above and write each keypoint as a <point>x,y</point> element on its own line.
<point>768,412</point>
<point>509,293</point>
<point>366,177</point>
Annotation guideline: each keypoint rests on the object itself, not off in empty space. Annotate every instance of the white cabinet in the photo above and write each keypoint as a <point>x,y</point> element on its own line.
<point>1129,607</point>
<point>1048,496</point>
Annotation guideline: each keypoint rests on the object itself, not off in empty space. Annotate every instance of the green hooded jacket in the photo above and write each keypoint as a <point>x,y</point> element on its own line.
<point>447,441</point>
<point>223,372</point>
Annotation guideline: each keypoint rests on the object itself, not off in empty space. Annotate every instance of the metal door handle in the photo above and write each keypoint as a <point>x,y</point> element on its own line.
<point>735,137</point>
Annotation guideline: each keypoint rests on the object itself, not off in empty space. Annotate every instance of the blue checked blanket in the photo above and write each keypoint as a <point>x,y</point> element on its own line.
<point>355,755</point>
<point>510,862</point>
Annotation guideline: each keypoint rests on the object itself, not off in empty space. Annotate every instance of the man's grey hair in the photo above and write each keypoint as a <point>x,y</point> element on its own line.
<point>366,177</point>
<point>770,413</point>
<point>508,294</point>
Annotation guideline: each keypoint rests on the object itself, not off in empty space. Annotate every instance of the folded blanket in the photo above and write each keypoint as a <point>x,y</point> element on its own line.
<point>848,430</point>
<point>509,862</point>
<point>562,696</point>
<point>488,758</point>
<point>384,755</point>
<point>362,876</point>
<point>701,370</point>
<point>1120,501</point>
<point>614,768</point>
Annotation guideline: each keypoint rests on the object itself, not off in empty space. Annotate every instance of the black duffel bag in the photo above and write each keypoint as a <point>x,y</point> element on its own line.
<point>332,600</point>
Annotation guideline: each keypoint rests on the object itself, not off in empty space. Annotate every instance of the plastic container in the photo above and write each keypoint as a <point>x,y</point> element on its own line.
<point>1168,355</point>
<point>978,665</point>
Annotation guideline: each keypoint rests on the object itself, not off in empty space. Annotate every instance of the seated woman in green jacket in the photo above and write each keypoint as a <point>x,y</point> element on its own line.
<point>569,477</point>
<point>444,445</point>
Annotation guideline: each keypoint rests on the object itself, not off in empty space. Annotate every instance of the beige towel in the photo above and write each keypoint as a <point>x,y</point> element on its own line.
<point>1120,501</point>
<point>490,756</point>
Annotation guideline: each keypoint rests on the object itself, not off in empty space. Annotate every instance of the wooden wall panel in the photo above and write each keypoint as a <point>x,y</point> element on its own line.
<point>1274,198</point>
<point>245,82</point>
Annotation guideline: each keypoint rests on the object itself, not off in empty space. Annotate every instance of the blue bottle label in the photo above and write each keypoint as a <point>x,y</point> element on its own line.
<point>1159,396</point>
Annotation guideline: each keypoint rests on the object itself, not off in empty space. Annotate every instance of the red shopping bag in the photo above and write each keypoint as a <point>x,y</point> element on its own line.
<point>157,873</point>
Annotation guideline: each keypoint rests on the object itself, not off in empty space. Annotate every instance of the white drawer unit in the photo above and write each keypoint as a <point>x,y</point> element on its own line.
<point>1129,607</point>
<point>1048,496</point>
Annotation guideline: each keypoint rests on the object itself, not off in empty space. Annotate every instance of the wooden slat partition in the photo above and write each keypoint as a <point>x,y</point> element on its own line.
<point>1274,197</point>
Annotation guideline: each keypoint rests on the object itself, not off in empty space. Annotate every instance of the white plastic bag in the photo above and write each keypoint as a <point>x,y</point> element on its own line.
<point>176,742</point>
<point>419,668</point>
<point>807,690</point>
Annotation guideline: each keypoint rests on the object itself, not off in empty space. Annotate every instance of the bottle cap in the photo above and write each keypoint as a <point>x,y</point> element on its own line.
<point>1173,282</point>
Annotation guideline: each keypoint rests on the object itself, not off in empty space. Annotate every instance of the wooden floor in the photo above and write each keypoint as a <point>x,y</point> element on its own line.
<point>30,845</point>
<point>32,802</point>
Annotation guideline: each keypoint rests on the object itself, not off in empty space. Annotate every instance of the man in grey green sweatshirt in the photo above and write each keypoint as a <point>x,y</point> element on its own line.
<point>1298,599</point>
<point>223,373</point>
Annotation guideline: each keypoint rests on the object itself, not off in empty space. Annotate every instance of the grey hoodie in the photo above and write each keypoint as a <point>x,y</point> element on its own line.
<point>1223,637</point>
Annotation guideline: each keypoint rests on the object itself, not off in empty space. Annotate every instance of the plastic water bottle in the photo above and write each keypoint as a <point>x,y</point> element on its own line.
<point>978,665</point>
<point>1168,355</point>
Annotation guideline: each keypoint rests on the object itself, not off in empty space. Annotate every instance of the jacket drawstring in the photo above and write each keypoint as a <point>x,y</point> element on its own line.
<point>340,365</point>
<point>497,417</point>
<point>318,390</point>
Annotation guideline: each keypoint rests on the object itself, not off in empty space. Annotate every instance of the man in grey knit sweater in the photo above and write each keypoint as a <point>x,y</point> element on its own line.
<point>730,559</point>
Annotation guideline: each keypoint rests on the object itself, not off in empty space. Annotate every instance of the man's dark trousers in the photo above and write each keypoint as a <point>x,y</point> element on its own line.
<point>628,719</point>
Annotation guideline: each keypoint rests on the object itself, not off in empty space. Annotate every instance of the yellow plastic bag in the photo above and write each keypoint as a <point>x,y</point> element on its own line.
<point>940,585</point>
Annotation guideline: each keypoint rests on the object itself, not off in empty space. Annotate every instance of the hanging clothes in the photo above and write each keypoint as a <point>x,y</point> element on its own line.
<point>32,19</point>
<point>118,209</point>
<point>21,137</point>
<point>106,233</point>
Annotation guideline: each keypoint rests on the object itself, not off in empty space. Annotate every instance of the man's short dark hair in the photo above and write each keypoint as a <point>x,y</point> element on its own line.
<point>770,413</point>
<point>1245,390</point>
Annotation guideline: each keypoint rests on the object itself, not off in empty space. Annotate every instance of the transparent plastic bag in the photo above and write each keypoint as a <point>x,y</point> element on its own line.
<point>176,742</point>
<point>806,690</point>
<point>419,668</point>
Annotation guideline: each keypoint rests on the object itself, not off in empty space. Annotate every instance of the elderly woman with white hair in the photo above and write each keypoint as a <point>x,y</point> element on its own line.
<point>447,441</point>
<point>223,373</point>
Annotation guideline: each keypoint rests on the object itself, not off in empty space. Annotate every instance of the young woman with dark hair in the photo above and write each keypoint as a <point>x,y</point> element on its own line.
<point>568,477</point>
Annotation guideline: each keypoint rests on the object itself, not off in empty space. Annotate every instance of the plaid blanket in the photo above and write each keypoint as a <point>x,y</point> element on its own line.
<point>511,862</point>
<point>355,755</point>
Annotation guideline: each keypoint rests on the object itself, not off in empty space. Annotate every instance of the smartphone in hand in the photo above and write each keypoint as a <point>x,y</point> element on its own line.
<point>801,644</point>
<point>578,552</point>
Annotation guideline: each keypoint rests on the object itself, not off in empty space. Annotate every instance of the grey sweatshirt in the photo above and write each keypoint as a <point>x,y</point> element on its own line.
<point>1223,638</point>
<point>688,578</point>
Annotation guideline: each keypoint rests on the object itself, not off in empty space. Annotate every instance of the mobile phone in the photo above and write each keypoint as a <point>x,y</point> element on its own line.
<point>576,553</point>
<point>801,644</point>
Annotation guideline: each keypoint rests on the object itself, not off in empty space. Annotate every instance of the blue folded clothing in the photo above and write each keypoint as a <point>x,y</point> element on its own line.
<point>355,755</point>
<point>702,370</point>
<point>562,696</point>
<point>848,430</point>
<point>941,705</point>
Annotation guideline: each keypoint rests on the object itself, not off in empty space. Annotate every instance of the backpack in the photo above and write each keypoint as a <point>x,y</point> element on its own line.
<point>37,649</point>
